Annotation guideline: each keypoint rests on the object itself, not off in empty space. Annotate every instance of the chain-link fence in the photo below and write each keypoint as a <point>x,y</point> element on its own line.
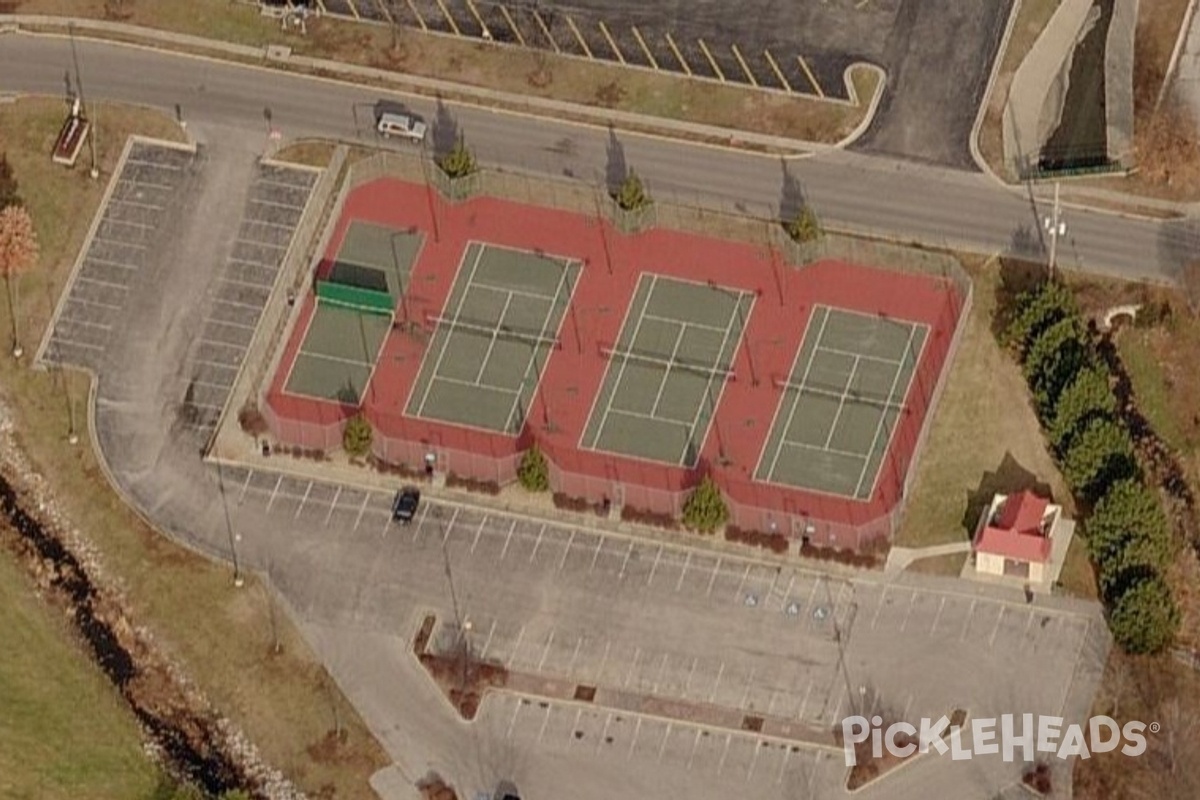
<point>822,520</point>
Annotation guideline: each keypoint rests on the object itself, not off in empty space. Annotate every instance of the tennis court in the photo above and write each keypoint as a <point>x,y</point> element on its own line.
<point>376,258</point>
<point>666,373</point>
<point>499,327</point>
<point>841,402</point>
<point>338,353</point>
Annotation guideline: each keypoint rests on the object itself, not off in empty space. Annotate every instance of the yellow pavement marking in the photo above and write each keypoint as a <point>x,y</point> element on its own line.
<point>542,24</point>
<point>712,61</point>
<point>487,34</point>
<point>612,43</point>
<point>417,14</point>
<point>638,35</point>
<point>746,69</point>
<point>778,72</point>
<point>811,78</point>
<point>682,62</point>
<point>512,26</point>
<point>578,36</point>
<point>449,18</point>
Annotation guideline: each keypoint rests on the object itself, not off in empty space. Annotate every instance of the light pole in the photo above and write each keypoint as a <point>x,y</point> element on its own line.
<point>1056,228</point>
<point>234,538</point>
<point>95,170</point>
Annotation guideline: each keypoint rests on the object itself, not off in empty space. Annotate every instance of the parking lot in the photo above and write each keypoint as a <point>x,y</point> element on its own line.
<point>675,622</point>
<point>150,188</point>
<point>269,218</point>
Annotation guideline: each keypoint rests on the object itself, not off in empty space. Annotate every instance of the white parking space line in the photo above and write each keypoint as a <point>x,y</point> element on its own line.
<point>488,641</point>
<point>89,301</point>
<point>513,655</point>
<point>637,729</point>
<point>274,491</point>
<point>1028,624</point>
<point>717,682</point>
<point>245,486</point>
<point>574,656</point>
<point>967,620</point>
<point>812,775</point>
<point>604,661</point>
<point>637,653</point>
<point>879,607</point>
<point>60,339</point>
<point>596,555</point>
<point>604,733</point>
<point>303,500</point>
<point>537,544</point>
<point>908,614</point>
<point>575,725</point>
<point>654,569</point>
<point>513,721</point>
<point>662,748</point>
<point>566,551</point>
<point>545,722</point>
<point>546,651</point>
<point>695,745</point>
<point>508,538</point>
<point>713,578</point>
<point>804,703</point>
<point>749,686</point>
<point>758,748</point>
<point>737,595</point>
<point>683,572</point>
<point>687,684</point>
<point>337,495</point>
<point>658,677</point>
<point>787,594</point>
<point>724,753</point>
<point>787,754</point>
<point>361,509</point>
<point>387,523</point>
<point>938,616</point>
<point>996,627</point>
<point>478,532</point>
<point>625,563</point>
<point>907,708</point>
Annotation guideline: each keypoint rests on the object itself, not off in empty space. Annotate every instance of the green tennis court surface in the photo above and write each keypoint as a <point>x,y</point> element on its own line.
<point>841,402</point>
<point>376,258</point>
<point>337,354</point>
<point>667,370</point>
<point>489,348</point>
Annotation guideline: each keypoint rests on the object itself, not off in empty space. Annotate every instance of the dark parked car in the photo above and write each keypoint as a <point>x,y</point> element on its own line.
<point>405,504</point>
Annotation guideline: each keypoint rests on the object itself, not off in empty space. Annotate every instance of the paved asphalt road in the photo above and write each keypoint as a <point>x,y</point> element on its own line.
<point>861,193</point>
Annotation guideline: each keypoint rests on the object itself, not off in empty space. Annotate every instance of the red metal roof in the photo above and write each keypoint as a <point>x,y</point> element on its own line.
<point>1017,532</point>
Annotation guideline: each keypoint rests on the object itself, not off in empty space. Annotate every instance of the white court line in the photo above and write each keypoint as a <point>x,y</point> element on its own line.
<point>712,580</point>
<point>879,425</point>
<point>358,519</point>
<point>654,568</point>
<point>303,500</point>
<point>274,491</point>
<point>445,340</point>
<point>624,356</point>
<point>770,474</point>
<point>567,550</point>
<point>683,572</point>
<point>488,641</point>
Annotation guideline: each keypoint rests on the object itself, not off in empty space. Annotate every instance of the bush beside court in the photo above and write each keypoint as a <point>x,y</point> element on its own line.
<point>1127,533</point>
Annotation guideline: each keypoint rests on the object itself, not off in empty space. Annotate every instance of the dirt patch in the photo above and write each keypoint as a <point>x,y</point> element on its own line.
<point>462,677</point>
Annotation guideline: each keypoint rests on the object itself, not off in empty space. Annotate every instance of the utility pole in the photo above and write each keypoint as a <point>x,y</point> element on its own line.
<point>841,646</point>
<point>1056,228</point>
<point>95,171</point>
<point>234,538</point>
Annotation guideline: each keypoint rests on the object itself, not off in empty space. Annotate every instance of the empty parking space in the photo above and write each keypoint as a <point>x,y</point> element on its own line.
<point>148,190</point>
<point>273,209</point>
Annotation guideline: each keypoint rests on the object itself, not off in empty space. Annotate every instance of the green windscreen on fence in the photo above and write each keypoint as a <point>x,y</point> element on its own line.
<point>367,300</point>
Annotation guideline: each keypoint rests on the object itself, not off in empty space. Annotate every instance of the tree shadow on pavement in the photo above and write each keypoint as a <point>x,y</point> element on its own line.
<point>791,194</point>
<point>445,131</point>
<point>616,168</point>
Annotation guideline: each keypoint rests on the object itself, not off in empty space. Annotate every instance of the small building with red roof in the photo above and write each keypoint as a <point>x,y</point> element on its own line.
<point>1015,536</point>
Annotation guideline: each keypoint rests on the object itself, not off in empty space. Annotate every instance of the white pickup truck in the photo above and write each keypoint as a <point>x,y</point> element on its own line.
<point>405,126</point>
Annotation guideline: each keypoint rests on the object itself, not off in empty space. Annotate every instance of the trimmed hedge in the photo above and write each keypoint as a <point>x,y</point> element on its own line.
<point>455,481</point>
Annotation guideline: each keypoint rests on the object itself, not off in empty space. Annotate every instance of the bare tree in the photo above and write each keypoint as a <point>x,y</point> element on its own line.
<point>18,253</point>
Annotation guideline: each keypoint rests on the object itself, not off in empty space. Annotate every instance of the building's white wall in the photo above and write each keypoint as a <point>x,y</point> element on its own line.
<point>989,563</point>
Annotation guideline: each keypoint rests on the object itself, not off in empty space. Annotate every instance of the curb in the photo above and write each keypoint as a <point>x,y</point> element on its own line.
<point>981,115</point>
<point>271,58</point>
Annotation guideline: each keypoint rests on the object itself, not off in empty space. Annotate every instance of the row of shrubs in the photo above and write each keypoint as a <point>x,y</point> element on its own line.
<point>775,542</point>
<point>310,453</point>
<point>456,481</point>
<point>1128,535</point>
<point>579,505</point>
<point>848,557</point>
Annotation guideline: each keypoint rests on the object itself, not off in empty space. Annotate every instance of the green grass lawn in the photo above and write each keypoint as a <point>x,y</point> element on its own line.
<point>64,731</point>
<point>984,420</point>
<point>220,636</point>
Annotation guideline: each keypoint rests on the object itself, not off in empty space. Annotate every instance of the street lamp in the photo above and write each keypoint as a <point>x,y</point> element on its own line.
<point>1056,228</point>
